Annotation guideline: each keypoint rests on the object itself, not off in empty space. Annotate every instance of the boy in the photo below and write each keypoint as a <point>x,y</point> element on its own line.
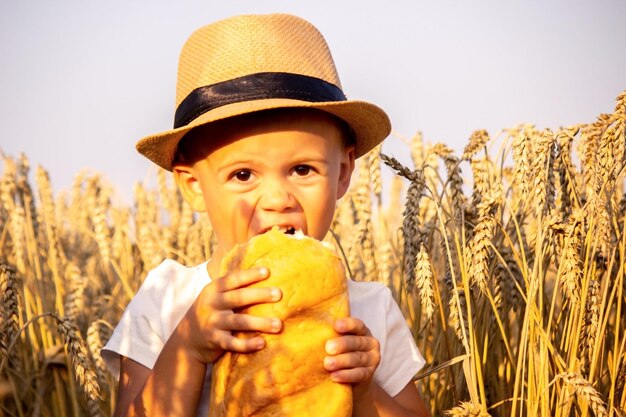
<point>263,136</point>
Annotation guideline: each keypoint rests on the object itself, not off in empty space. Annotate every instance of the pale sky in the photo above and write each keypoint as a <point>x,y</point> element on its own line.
<point>82,81</point>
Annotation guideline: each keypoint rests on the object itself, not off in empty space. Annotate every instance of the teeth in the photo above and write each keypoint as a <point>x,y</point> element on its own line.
<point>290,230</point>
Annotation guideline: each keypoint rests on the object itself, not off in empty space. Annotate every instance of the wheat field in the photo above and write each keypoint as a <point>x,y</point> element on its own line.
<point>508,262</point>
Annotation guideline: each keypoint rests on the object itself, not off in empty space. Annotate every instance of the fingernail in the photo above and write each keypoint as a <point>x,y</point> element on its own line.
<point>276,324</point>
<point>275,294</point>
<point>263,271</point>
<point>260,343</point>
<point>329,363</point>
<point>331,347</point>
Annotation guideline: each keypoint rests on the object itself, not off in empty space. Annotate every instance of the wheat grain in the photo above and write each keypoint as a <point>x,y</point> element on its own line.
<point>566,175</point>
<point>554,166</point>
<point>392,211</point>
<point>477,140</point>
<point>456,187</point>
<point>561,202</point>
<point>410,231</point>
<point>587,147</point>
<point>423,280</point>
<point>414,176</point>
<point>454,180</point>
<point>361,245</point>
<point>98,333</point>
<point>590,323</point>
<point>145,216</point>
<point>583,389</point>
<point>479,260</point>
<point>458,313</point>
<point>78,353</point>
<point>21,180</point>
<point>570,269</point>
<point>541,171</point>
<point>17,227</point>
<point>10,313</point>
<point>483,235</point>
<point>385,263</point>
<point>418,151</point>
<point>467,409</point>
<point>120,238</point>
<point>373,162</point>
<point>184,224</point>
<point>101,228</point>
<point>74,305</point>
<point>522,149</point>
<point>482,184</point>
<point>430,173</point>
<point>620,103</point>
<point>55,253</point>
<point>168,198</point>
<point>410,225</point>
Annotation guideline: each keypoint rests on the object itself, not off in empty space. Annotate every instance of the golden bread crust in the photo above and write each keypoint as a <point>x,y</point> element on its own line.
<point>287,377</point>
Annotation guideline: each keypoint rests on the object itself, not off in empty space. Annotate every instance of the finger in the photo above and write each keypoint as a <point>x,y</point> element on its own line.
<point>245,322</point>
<point>351,325</point>
<point>352,360</point>
<point>352,376</point>
<point>350,343</point>
<point>242,345</point>
<point>241,279</point>
<point>243,297</point>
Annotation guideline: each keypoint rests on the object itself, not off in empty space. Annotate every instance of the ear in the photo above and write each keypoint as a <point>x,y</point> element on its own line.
<point>346,168</point>
<point>189,186</point>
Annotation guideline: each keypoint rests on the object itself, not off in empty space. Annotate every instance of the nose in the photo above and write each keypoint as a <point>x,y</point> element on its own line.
<point>275,196</point>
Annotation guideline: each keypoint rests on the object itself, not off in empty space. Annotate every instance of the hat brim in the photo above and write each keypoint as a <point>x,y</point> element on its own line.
<point>369,123</point>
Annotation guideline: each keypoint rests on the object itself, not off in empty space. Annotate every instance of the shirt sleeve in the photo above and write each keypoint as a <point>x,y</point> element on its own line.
<point>154,312</point>
<point>400,357</point>
<point>400,360</point>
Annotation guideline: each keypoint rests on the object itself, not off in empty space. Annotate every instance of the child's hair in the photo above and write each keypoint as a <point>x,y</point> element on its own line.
<point>188,152</point>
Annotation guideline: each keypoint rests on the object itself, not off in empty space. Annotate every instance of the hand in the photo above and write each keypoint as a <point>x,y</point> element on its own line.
<point>206,329</point>
<point>354,356</point>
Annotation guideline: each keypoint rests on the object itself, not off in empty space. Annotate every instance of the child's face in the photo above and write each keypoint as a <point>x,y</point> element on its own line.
<point>286,171</point>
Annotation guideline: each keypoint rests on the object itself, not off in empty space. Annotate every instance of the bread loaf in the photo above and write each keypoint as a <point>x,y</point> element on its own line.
<point>287,377</point>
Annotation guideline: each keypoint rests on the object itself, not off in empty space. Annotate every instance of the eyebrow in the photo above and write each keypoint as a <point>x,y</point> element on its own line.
<point>228,164</point>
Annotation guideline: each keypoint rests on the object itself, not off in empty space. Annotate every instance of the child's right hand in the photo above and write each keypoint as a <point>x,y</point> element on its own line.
<point>206,329</point>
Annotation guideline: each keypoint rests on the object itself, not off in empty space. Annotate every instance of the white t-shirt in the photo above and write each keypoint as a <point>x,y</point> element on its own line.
<point>169,290</point>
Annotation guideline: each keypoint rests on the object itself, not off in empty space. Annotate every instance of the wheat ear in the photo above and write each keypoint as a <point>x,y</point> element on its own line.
<point>424,282</point>
<point>79,355</point>
<point>9,318</point>
<point>477,140</point>
<point>467,409</point>
<point>583,389</point>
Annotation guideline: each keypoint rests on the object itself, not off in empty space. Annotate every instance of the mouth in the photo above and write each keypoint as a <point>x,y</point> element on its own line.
<point>286,229</point>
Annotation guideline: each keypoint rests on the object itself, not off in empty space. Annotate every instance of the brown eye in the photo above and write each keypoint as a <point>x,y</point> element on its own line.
<point>302,170</point>
<point>243,175</point>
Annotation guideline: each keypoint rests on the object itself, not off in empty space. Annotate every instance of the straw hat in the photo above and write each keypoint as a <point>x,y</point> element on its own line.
<point>250,63</point>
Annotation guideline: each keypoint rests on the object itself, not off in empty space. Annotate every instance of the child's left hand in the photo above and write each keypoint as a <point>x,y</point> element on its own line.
<point>354,356</point>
